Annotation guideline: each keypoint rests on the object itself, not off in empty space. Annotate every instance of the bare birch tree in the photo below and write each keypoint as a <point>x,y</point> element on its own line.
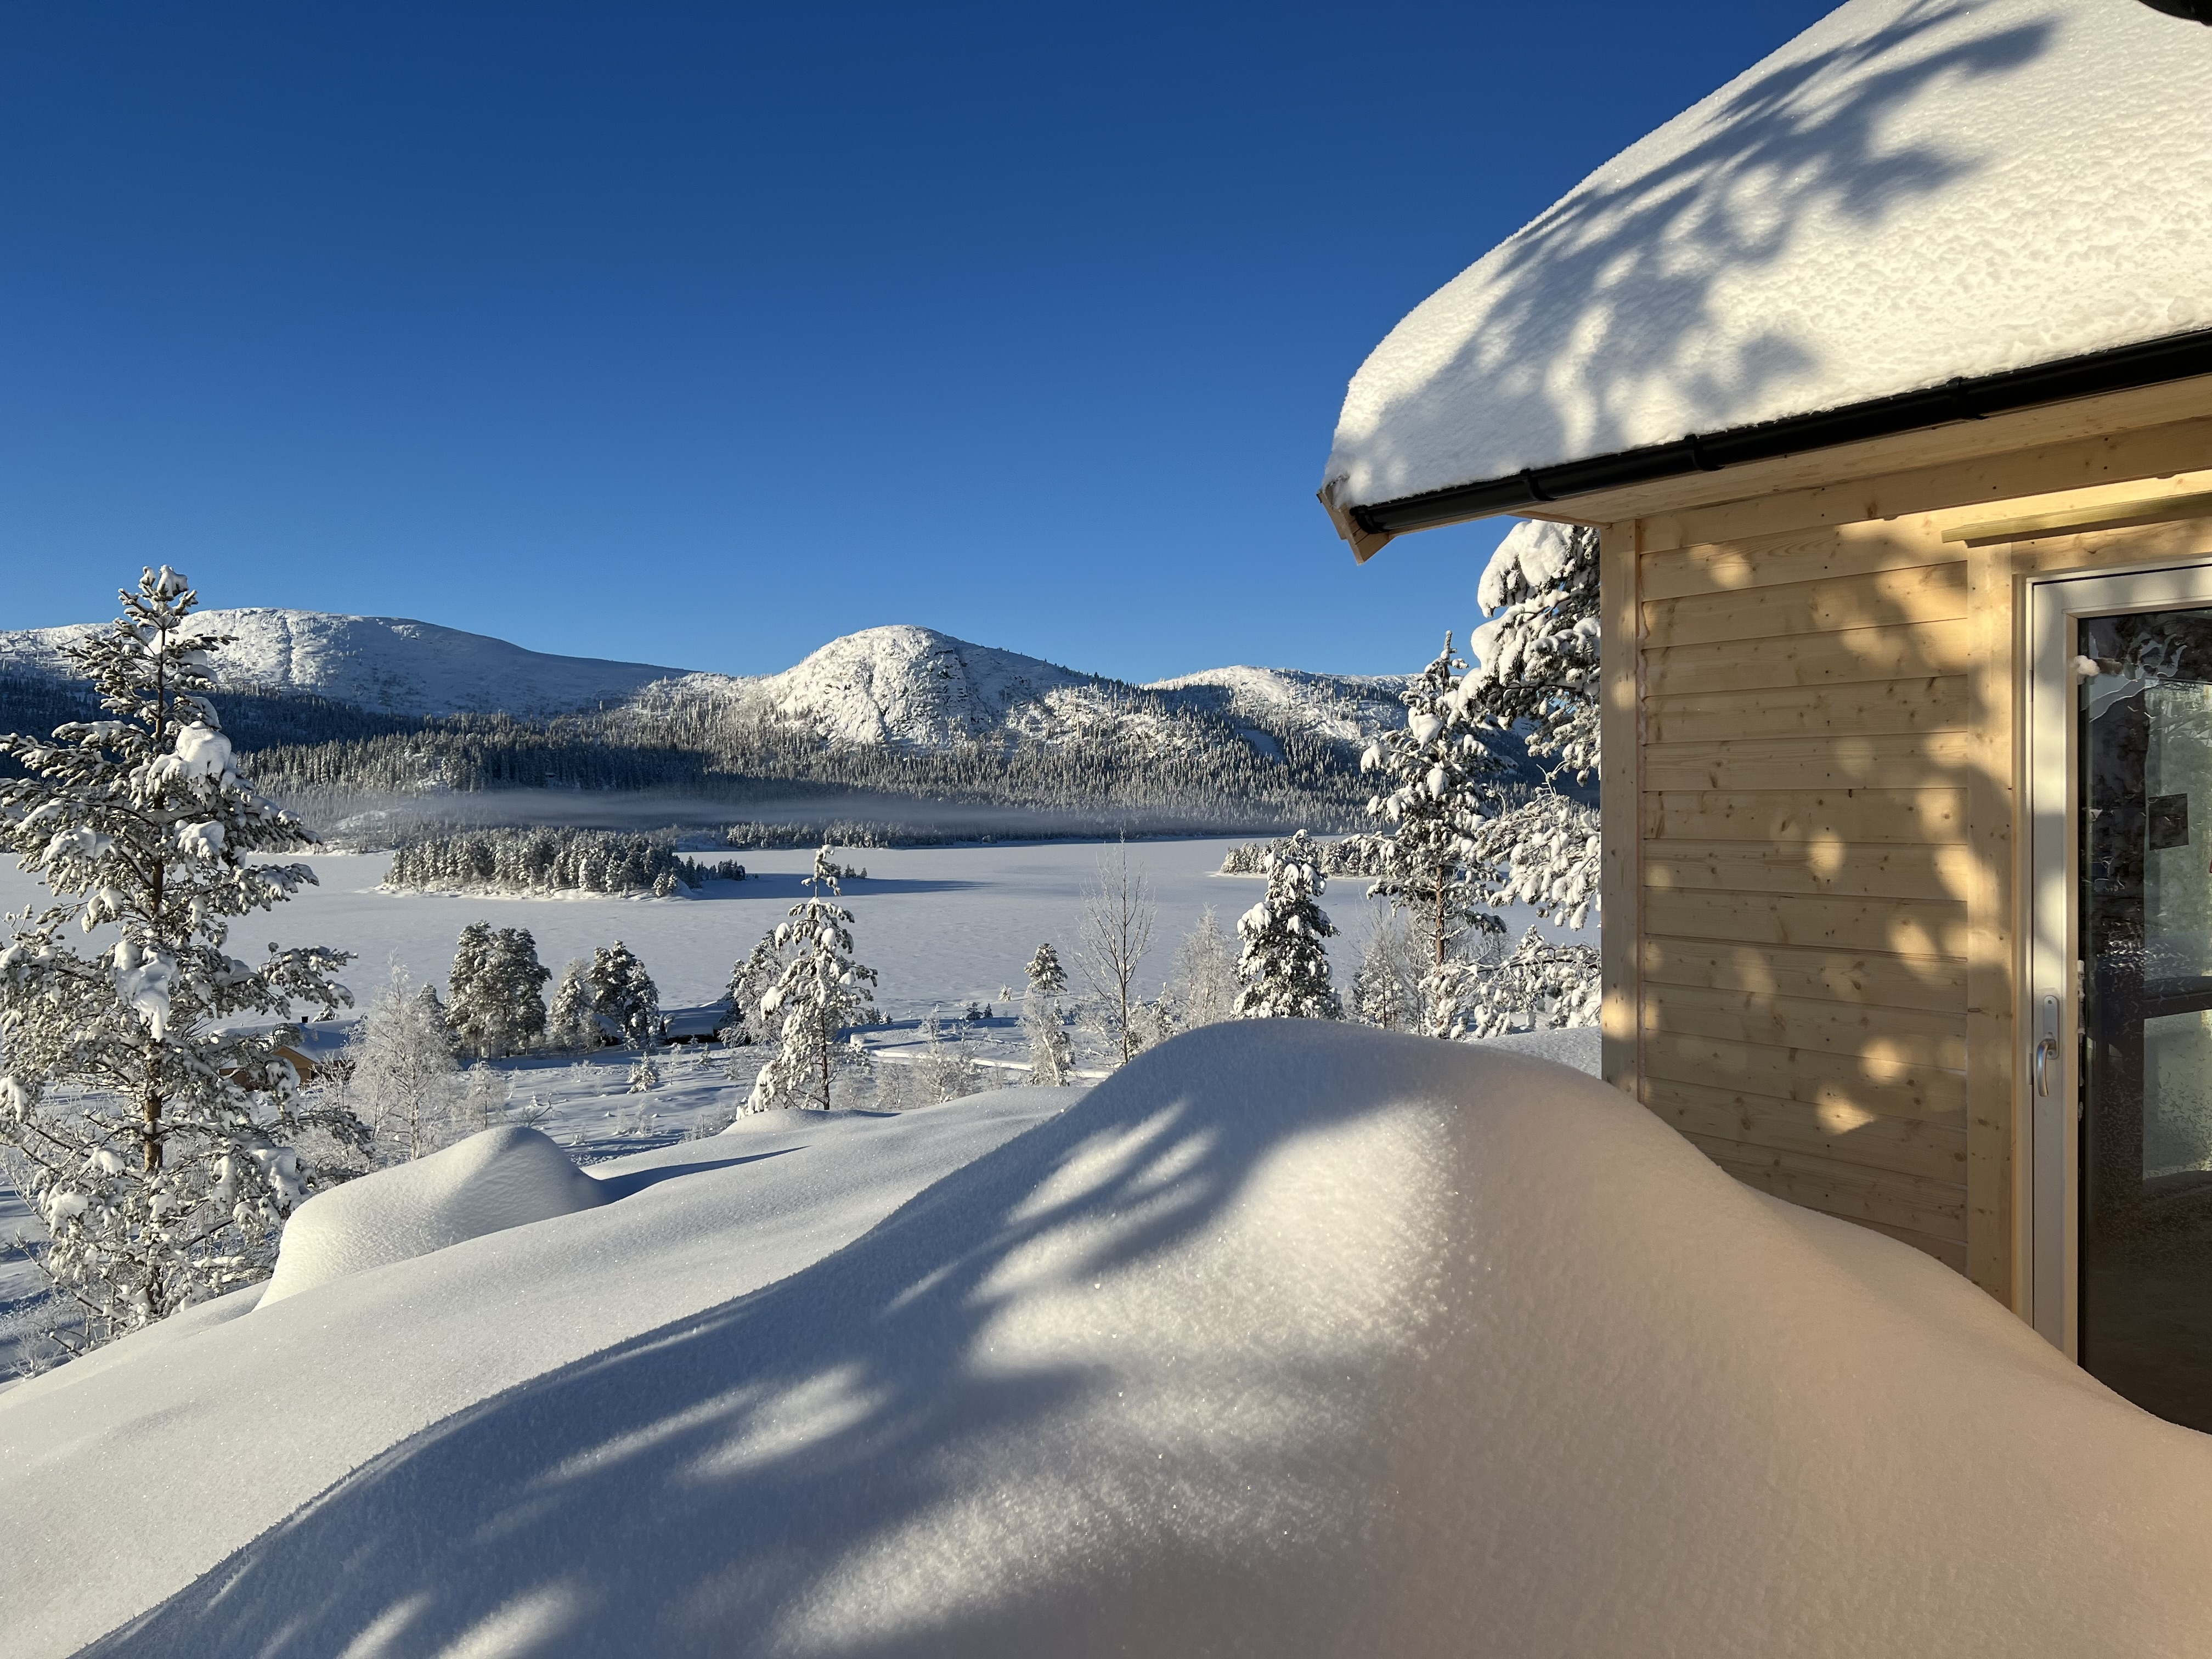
<point>1116,931</point>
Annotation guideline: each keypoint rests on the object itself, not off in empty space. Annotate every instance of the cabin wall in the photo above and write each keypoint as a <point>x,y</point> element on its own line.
<point>1811,795</point>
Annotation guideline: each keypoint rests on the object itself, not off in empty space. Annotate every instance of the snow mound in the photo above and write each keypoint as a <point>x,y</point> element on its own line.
<point>501,1178</point>
<point>388,664</point>
<point>1905,192</point>
<point>1289,1338</point>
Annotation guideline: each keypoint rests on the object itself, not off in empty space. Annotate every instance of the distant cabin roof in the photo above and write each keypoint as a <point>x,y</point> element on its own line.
<point>1911,194</point>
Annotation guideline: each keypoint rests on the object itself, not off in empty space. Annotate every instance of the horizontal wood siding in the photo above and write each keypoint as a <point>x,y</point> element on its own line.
<point>1813,895</point>
<point>1805,871</point>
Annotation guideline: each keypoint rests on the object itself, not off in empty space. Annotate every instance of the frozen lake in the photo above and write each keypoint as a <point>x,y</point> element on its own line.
<point>942,926</point>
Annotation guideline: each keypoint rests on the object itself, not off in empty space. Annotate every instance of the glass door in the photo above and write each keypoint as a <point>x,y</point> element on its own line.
<point>2121,1019</point>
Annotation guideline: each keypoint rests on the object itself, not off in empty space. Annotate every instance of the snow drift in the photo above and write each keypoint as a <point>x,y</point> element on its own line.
<point>1289,1338</point>
<point>504,1177</point>
<point>1907,191</point>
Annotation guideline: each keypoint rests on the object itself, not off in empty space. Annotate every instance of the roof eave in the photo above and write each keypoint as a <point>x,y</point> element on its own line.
<point>1551,491</point>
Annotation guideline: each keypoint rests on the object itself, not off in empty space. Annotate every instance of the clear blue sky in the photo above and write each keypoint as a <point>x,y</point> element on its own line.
<point>700,334</point>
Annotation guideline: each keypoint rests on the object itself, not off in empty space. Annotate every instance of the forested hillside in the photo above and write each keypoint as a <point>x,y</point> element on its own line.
<point>894,732</point>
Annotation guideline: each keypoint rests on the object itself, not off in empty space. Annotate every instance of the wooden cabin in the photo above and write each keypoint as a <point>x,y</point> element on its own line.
<point>1885,374</point>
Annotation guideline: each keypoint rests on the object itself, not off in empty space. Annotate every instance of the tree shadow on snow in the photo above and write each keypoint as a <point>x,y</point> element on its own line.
<point>675,1495</point>
<point>631,1182</point>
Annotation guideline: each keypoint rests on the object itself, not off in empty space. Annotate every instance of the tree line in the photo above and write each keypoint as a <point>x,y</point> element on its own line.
<point>548,859</point>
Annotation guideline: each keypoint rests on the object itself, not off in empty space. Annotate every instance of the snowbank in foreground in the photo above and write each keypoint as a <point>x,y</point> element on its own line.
<point>125,1475</point>
<point>1290,1340</point>
<point>505,1178</point>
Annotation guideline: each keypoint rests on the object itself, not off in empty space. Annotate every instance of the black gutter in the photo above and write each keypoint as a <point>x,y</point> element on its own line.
<point>2124,368</point>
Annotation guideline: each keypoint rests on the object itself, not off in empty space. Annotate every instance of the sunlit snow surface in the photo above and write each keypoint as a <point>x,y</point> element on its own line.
<point>1910,191</point>
<point>1292,1338</point>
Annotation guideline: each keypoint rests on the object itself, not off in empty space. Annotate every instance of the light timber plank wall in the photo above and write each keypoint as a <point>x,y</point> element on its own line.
<point>1812,906</point>
<point>1805,867</point>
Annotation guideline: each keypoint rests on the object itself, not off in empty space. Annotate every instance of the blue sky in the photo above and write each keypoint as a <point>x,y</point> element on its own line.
<point>700,334</point>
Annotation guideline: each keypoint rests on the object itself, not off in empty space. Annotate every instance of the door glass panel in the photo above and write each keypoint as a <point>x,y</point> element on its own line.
<point>2146,1150</point>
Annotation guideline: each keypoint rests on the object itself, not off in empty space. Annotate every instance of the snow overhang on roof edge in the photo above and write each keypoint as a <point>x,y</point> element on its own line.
<point>2124,368</point>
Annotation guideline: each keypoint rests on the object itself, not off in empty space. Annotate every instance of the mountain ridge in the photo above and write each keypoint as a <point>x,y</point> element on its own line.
<point>900,684</point>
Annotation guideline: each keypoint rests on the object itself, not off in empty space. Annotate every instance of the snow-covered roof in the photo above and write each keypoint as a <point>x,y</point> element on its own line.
<point>1910,191</point>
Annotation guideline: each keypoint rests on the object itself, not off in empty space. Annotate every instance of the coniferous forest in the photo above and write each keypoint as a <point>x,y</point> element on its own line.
<point>1166,770</point>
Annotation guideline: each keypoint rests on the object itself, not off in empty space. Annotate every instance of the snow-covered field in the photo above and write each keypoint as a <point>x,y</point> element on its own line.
<point>1292,1338</point>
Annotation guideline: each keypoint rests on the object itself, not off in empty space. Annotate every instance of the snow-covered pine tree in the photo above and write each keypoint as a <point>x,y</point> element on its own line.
<point>570,1025</point>
<point>750,979</point>
<point>1442,788</point>
<point>1206,986</point>
<point>1536,659</point>
<point>1538,670</point>
<point>517,985</point>
<point>1045,974</point>
<point>498,991</point>
<point>622,992</point>
<point>167,1184</point>
<point>1545,984</point>
<point>821,989</point>
<point>1285,962</point>
<point>469,1011</point>
<point>405,1084</point>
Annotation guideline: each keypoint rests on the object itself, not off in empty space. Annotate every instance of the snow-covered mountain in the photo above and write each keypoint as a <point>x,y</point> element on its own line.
<point>1348,707</point>
<point>904,685</point>
<point>386,664</point>
<point>910,685</point>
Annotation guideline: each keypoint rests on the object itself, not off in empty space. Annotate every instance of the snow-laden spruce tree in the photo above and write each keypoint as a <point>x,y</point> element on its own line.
<point>750,979</point>
<point>404,1082</point>
<point>1440,789</point>
<point>496,991</point>
<point>624,993</point>
<point>821,990</point>
<point>1205,986</point>
<point>165,1183</point>
<point>1537,671</point>
<point>1285,962</point>
<point>1045,975</point>
<point>1536,658</point>
<point>569,1025</point>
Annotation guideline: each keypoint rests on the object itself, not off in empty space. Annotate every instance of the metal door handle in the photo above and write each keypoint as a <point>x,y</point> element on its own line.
<point>2046,1052</point>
